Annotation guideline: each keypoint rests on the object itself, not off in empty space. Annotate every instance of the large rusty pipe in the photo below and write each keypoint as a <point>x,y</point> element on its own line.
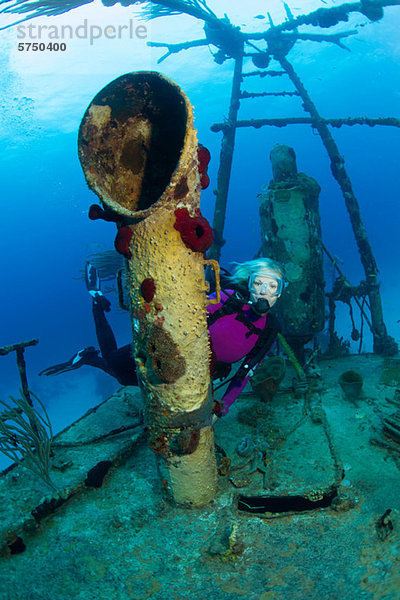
<point>138,150</point>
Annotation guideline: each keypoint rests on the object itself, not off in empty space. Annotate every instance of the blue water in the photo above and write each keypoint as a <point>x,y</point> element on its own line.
<point>45,234</point>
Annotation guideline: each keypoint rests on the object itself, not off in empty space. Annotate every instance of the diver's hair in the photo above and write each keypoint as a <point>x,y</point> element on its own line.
<point>244,270</point>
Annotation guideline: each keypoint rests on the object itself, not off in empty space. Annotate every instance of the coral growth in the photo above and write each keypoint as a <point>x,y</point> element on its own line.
<point>168,364</point>
<point>203,156</point>
<point>196,232</point>
<point>122,241</point>
<point>96,212</point>
<point>26,436</point>
<point>185,442</point>
<point>371,11</point>
<point>124,234</point>
<point>324,17</point>
<point>148,289</point>
<point>204,181</point>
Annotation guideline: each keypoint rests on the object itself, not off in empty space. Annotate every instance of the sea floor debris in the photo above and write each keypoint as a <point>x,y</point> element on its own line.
<point>124,534</point>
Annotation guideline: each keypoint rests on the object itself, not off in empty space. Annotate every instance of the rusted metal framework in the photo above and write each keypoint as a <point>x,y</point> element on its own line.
<point>278,42</point>
<point>275,43</point>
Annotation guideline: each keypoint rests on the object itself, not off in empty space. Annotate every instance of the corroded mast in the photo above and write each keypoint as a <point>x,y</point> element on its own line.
<point>225,162</point>
<point>383,344</point>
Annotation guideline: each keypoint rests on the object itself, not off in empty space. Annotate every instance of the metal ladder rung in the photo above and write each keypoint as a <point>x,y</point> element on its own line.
<point>244,94</point>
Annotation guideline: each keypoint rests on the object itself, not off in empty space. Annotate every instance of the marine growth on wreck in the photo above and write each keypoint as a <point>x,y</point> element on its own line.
<point>139,151</point>
<point>294,493</point>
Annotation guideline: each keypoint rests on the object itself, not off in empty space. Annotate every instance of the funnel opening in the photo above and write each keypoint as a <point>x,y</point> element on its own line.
<point>131,139</point>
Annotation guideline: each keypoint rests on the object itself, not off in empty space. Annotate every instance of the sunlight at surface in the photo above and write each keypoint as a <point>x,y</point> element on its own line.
<point>51,78</point>
<point>59,84</point>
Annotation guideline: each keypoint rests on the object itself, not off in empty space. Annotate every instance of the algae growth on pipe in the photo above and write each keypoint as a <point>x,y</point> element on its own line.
<point>139,152</point>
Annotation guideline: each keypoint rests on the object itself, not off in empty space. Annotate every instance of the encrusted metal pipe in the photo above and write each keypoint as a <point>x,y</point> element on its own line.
<point>139,152</point>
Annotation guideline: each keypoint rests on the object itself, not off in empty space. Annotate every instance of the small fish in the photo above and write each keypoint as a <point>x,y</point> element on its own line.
<point>259,17</point>
<point>324,1</point>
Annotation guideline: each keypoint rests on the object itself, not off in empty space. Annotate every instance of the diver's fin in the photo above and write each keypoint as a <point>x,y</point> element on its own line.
<point>83,357</point>
<point>92,281</point>
<point>92,278</point>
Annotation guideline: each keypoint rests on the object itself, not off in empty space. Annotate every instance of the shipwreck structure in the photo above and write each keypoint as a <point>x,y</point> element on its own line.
<point>229,42</point>
<point>277,41</point>
<point>291,230</point>
<point>138,149</point>
<point>291,486</point>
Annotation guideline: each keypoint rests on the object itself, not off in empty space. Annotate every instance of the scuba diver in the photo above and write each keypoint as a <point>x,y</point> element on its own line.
<point>117,362</point>
<point>241,328</point>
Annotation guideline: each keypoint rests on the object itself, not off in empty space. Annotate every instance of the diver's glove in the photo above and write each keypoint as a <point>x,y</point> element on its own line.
<point>83,357</point>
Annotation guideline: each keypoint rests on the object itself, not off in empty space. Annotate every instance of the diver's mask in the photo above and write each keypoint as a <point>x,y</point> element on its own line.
<point>272,288</point>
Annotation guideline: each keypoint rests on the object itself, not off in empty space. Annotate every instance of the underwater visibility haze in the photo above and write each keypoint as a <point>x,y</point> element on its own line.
<point>304,84</point>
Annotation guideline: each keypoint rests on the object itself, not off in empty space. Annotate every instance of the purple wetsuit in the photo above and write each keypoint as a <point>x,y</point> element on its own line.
<point>232,340</point>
